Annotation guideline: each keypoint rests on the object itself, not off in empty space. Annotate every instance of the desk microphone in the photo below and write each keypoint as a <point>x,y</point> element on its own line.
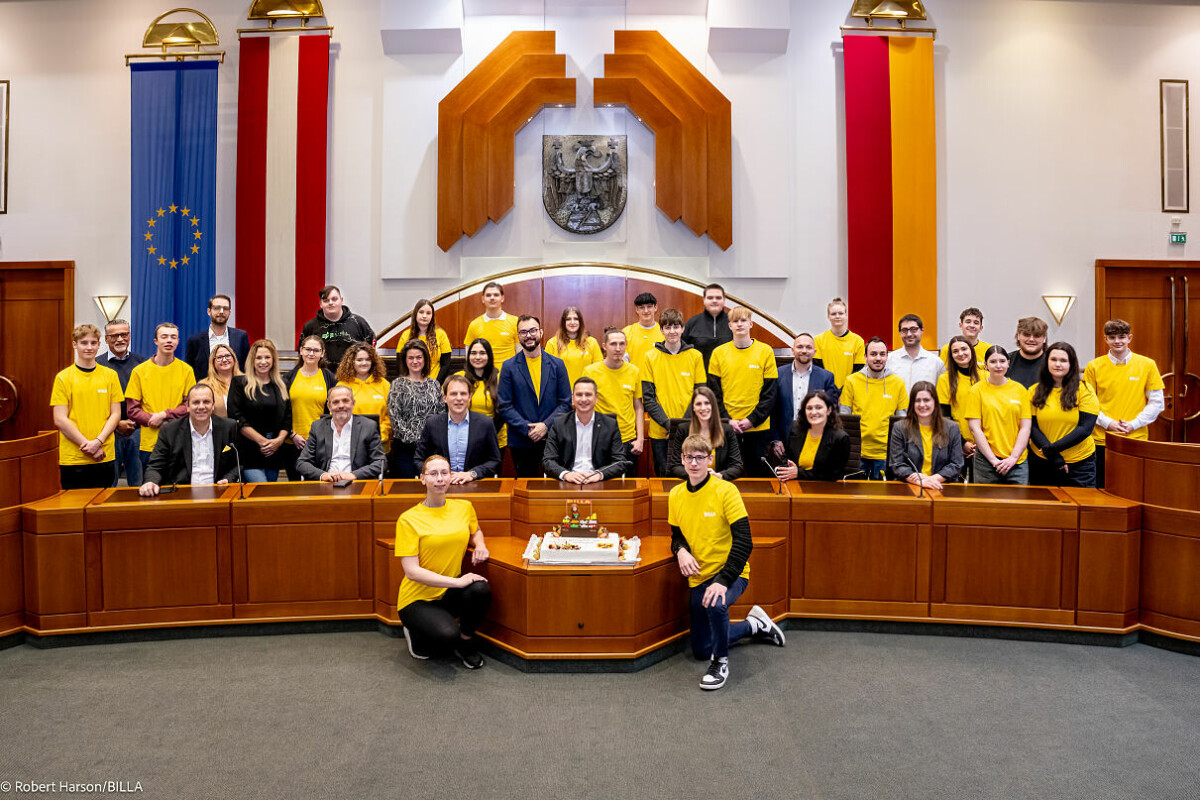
<point>913,467</point>
<point>774,472</point>
<point>167,489</point>
<point>238,456</point>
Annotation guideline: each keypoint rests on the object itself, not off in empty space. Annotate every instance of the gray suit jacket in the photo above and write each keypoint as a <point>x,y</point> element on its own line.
<point>367,460</point>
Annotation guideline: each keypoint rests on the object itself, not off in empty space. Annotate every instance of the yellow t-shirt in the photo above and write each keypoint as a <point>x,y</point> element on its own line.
<point>808,453</point>
<point>481,403</point>
<point>501,335</point>
<point>370,397</point>
<point>981,347</point>
<point>89,396</point>
<point>1000,410</point>
<point>639,341</point>
<point>439,538</point>
<point>575,358</point>
<point>956,403</point>
<point>743,371</point>
<point>675,377</point>
<point>1056,423</point>
<point>159,389</point>
<point>308,396</point>
<point>1121,389</point>
<point>535,375</point>
<point>441,348</point>
<point>875,400</point>
<point>927,449</point>
<point>616,389</point>
<point>704,517</point>
<point>840,354</point>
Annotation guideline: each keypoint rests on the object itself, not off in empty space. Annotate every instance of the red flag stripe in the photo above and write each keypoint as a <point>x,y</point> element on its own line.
<point>312,127</point>
<point>251,249</point>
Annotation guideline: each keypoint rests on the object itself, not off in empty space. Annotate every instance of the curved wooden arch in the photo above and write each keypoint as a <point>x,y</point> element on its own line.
<point>476,124</point>
<point>604,292</point>
<point>692,123</point>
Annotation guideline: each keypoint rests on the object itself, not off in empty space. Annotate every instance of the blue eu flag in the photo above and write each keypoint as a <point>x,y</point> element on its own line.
<point>174,177</point>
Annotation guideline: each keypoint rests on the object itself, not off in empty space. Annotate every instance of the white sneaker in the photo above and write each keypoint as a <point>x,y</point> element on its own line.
<point>763,627</point>
<point>718,673</point>
<point>411,651</point>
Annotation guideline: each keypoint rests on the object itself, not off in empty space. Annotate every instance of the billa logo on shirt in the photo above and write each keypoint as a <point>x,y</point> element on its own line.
<point>102,391</point>
<point>1015,402</point>
<point>626,386</point>
<point>1133,377</point>
<point>887,397</point>
<point>754,366</point>
<point>685,374</point>
<point>847,354</point>
<point>710,513</point>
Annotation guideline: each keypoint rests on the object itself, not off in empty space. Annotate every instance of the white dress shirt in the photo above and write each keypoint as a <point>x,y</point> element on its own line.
<point>214,339</point>
<point>927,366</point>
<point>341,459</point>
<point>800,381</point>
<point>583,446</point>
<point>203,459</point>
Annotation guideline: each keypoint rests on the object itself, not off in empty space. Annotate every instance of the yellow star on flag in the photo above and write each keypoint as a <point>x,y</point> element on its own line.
<point>149,236</point>
<point>150,222</point>
<point>150,250</point>
<point>161,260</point>
<point>173,208</point>
<point>195,248</point>
<point>183,260</point>
<point>185,212</point>
<point>174,263</point>
<point>196,234</point>
<point>195,220</point>
<point>161,212</point>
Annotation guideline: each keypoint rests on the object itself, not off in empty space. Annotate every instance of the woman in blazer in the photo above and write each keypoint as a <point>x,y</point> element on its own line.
<point>706,422</point>
<point>923,448</point>
<point>259,402</point>
<point>817,447</point>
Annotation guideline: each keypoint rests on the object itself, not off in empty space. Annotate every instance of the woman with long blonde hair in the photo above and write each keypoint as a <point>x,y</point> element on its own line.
<point>259,401</point>
<point>222,369</point>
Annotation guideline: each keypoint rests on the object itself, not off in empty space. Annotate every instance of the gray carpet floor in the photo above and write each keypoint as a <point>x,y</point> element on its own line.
<point>832,715</point>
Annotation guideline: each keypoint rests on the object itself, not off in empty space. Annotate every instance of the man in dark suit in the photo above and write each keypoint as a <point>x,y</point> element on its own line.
<point>342,446</point>
<point>529,413</point>
<point>465,438</point>
<point>192,449</point>
<point>602,454</point>
<point>802,376</point>
<point>218,332</point>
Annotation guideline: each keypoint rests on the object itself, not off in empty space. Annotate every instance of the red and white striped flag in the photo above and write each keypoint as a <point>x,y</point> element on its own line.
<point>283,116</point>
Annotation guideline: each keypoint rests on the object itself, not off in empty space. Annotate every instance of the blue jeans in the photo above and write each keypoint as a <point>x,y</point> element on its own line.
<point>986,473</point>
<point>260,475</point>
<point>873,467</point>
<point>711,630</point>
<point>126,450</point>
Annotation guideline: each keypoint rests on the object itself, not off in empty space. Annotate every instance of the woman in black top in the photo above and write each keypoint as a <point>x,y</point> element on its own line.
<point>817,447</point>
<point>706,421</point>
<point>259,402</point>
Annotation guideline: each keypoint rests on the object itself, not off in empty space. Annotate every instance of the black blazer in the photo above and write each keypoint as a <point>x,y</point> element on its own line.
<point>947,461</point>
<point>268,414</point>
<point>367,460</point>
<point>608,451</point>
<point>832,452</point>
<point>196,352</point>
<point>483,450</point>
<point>171,460</point>
<point>727,460</point>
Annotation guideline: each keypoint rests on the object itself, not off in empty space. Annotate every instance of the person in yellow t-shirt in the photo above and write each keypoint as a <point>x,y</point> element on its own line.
<point>839,350</point>
<point>619,388</point>
<point>481,371</point>
<point>86,403</point>
<point>874,396</point>
<point>1128,387</point>
<point>423,325</point>
<point>970,322</point>
<point>953,387</point>
<point>671,372</point>
<point>1000,417</point>
<point>362,370</point>
<point>499,328</point>
<point>573,345</point>
<point>308,386</point>
<point>1064,413</point>
<point>710,537</point>
<point>158,387</point>
<point>439,605</point>
<point>641,336</point>
<point>743,376</point>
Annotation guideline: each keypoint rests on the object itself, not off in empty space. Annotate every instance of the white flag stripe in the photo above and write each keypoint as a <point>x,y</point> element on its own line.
<point>280,233</point>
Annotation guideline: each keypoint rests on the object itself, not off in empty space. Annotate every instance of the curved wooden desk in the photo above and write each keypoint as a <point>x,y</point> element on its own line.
<point>28,472</point>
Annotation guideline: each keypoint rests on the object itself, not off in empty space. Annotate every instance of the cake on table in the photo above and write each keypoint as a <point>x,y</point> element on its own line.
<point>581,539</point>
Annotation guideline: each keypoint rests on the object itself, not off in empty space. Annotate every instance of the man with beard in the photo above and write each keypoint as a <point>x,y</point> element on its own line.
<point>532,391</point>
<point>199,345</point>
<point>1025,363</point>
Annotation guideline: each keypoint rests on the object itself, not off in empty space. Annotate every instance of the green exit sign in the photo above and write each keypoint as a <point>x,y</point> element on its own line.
<point>1179,238</point>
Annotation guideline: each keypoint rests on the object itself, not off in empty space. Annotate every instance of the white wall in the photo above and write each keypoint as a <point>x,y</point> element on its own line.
<point>1048,152</point>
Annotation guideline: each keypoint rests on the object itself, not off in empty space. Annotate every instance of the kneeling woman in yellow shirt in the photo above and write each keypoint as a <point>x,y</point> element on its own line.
<point>998,413</point>
<point>439,606</point>
<point>1064,412</point>
<point>817,447</point>
<point>925,448</point>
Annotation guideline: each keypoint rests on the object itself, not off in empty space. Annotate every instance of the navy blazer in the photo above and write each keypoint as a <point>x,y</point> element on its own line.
<point>483,451</point>
<point>784,413</point>
<point>520,407</point>
<point>196,352</point>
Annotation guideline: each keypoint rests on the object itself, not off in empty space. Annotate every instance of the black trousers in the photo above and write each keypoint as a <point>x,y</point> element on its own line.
<point>87,476</point>
<point>432,624</point>
<point>528,460</point>
<point>754,446</point>
<point>658,449</point>
<point>632,472</point>
<point>1100,466</point>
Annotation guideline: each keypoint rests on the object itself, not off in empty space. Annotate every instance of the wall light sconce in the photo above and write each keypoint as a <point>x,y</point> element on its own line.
<point>286,9</point>
<point>1059,305</point>
<point>110,305</point>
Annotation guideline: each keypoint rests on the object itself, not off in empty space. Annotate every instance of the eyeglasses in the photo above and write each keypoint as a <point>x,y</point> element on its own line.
<point>310,350</point>
<point>218,308</point>
<point>224,357</point>
<point>530,332</point>
<point>118,335</point>
<point>695,458</point>
<point>909,330</point>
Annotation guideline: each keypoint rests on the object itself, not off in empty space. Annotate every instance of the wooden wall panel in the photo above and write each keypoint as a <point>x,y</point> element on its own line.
<point>1003,566</point>
<point>32,354</point>
<point>1170,484</point>
<point>10,482</point>
<point>601,299</point>
<point>158,568</point>
<point>297,563</point>
<point>39,475</point>
<point>871,561</point>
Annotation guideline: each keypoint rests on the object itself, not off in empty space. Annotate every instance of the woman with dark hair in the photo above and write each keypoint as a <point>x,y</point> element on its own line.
<point>954,386</point>
<point>705,420</point>
<point>1000,418</point>
<point>573,344</point>
<point>259,402</point>
<point>1064,413</point>
<point>923,449</point>
<point>817,447</point>
<point>362,370</point>
<point>484,377</point>
<point>308,386</point>
<point>414,397</point>
<point>423,325</point>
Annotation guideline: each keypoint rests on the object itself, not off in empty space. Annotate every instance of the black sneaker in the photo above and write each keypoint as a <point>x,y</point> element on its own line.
<point>718,673</point>
<point>412,650</point>
<point>764,627</point>
<point>469,656</point>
